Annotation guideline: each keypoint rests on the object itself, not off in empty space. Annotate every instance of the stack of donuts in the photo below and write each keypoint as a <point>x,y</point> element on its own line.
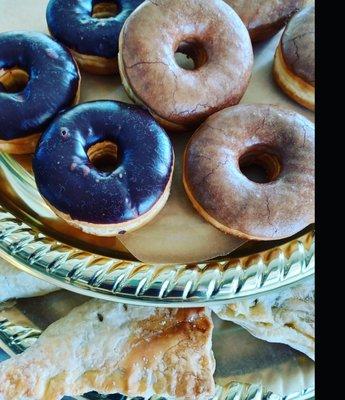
<point>106,167</point>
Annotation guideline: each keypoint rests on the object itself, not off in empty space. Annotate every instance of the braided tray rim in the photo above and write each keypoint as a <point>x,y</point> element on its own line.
<point>140,283</point>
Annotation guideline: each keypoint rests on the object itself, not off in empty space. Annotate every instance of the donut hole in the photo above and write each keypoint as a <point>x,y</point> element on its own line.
<point>105,9</point>
<point>260,164</point>
<point>104,156</point>
<point>13,80</point>
<point>190,55</point>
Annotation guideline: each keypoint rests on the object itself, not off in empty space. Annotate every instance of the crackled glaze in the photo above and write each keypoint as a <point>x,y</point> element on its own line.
<point>52,87</point>
<point>298,45</point>
<point>67,179</point>
<point>227,198</point>
<point>71,22</point>
<point>149,40</point>
<point>264,18</point>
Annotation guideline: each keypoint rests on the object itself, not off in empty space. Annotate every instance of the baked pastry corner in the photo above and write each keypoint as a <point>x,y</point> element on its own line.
<point>113,348</point>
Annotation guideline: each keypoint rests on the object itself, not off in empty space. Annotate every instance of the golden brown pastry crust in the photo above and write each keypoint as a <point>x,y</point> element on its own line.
<point>96,65</point>
<point>26,145</point>
<point>110,348</point>
<point>182,98</point>
<point>294,86</point>
<point>264,18</point>
<point>227,198</point>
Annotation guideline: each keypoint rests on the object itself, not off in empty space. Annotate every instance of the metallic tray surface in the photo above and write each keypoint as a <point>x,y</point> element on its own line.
<point>162,285</point>
<point>247,368</point>
<point>35,240</point>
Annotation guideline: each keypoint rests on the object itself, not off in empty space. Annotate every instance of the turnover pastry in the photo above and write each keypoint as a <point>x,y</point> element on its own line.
<point>287,317</point>
<point>110,348</point>
<point>15,284</point>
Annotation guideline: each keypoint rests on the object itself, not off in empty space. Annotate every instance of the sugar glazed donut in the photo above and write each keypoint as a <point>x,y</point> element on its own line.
<point>264,18</point>
<point>210,33</point>
<point>294,66</point>
<point>105,167</point>
<point>228,143</point>
<point>91,29</point>
<point>38,79</point>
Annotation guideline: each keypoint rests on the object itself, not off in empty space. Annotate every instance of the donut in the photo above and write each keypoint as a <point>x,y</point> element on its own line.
<point>210,33</point>
<point>104,167</point>
<point>294,65</point>
<point>90,29</point>
<point>217,180</point>
<point>38,79</point>
<point>265,18</point>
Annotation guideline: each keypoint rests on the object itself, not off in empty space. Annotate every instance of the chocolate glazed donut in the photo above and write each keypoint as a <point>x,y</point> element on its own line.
<point>264,18</point>
<point>38,79</point>
<point>91,29</point>
<point>209,32</point>
<point>105,167</point>
<point>294,64</point>
<point>282,143</point>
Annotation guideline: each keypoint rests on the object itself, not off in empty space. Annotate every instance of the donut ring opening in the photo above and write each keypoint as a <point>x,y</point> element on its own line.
<point>260,164</point>
<point>190,54</point>
<point>207,34</point>
<point>112,183</point>
<point>13,80</point>
<point>33,64</point>
<point>217,182</point>
<point>105,9</point>
<point>104,156</point>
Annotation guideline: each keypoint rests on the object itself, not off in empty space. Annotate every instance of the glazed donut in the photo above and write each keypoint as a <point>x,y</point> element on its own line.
<point>265,18</point>
<point>38,79</point>
<point>209,32</point>
<point>90,29</point>
<point>104,167</point>
<point>231,141</point>
<point>294,65</point>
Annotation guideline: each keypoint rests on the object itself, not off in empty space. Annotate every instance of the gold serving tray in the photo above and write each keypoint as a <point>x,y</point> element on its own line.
<point>35,240</point>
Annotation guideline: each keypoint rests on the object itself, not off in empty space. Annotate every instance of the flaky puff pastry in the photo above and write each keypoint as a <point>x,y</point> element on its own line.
<point>112,348</point>
<point>16,284</point>
<point>287,317</point>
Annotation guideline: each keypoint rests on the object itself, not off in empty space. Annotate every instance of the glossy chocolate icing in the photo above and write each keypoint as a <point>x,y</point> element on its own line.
<point>52,87</point>
<point>71,22</point>
<point>68,180</point>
